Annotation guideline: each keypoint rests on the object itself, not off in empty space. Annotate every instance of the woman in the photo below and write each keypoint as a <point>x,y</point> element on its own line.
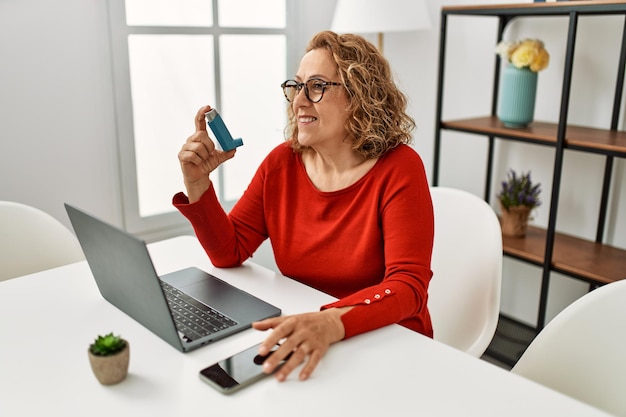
<point>344,201</point>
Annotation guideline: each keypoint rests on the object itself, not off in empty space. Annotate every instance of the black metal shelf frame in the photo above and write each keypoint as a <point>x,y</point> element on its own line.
<point>505,14</point>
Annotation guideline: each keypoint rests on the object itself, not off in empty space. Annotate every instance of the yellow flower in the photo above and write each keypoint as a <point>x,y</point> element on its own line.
<point>523,56</point>
<point>541,61</point>
<point>529,53</point>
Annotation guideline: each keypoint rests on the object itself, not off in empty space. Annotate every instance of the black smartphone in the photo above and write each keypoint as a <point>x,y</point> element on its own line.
<point>238,371</point>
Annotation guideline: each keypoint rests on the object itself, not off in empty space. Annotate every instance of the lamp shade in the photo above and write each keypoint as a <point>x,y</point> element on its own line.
<point>379,16</point>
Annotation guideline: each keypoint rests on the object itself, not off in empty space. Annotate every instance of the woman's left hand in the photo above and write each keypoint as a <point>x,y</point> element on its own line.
<point>306,337</point>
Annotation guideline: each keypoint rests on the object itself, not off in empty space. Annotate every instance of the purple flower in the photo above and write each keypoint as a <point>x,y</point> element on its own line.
<point>518,190</point>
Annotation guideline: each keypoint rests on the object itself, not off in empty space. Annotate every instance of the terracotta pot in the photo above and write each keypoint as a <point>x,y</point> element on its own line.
<point>515,220</point>
<point>111,369</point>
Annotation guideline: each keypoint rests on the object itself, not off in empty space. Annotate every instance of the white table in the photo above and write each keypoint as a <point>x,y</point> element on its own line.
<point>48,319</point>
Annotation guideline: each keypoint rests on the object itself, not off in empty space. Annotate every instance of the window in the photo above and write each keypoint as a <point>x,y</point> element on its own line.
<point>170,58</point>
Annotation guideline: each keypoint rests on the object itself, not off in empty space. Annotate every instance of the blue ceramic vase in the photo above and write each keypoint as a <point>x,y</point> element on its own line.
<point>518,89</point>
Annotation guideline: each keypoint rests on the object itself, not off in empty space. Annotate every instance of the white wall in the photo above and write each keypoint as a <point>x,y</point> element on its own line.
<point>57,125</point>
<point>57,129</point>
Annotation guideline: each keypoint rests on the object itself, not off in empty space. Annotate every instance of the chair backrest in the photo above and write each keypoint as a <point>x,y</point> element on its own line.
<point>582,351</point>
<point>32,241</point>
<point>464,293</point>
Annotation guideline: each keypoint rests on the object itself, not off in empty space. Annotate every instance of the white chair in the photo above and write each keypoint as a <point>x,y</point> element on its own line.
<point>32,241</point>
<point>582,351</point>
<point>464,293</point>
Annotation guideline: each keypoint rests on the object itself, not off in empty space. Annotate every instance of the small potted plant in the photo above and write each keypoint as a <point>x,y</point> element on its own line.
<point>518,197</point>
<point>109,356</point>
<point>518,85</point>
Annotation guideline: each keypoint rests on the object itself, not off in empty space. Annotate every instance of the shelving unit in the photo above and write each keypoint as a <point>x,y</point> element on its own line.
<point>592,261</point>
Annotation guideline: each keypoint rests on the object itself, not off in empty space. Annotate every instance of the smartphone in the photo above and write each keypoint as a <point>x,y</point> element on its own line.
<point>238,371</point>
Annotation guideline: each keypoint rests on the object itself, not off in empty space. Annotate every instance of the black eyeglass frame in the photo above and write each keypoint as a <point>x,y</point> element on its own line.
<point>299,86</point>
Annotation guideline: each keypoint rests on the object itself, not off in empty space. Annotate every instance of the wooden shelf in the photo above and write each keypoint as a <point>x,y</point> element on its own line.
<point>573,256</point>
<point>582,259</point>
<point>587,139</point>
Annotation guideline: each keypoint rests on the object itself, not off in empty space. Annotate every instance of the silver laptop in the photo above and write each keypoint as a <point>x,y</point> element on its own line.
<point>187,308</point>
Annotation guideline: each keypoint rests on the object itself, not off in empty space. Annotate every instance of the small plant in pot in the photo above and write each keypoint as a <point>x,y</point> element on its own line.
<point>109,356</point>
<point>518,197</point>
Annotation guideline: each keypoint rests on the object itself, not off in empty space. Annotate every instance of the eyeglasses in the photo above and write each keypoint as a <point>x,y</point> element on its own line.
<point>313,89</point>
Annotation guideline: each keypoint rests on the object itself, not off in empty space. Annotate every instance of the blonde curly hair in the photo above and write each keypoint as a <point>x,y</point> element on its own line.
<point>379,121</point>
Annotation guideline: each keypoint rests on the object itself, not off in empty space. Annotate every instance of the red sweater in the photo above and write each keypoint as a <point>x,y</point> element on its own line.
<point>369,244</point>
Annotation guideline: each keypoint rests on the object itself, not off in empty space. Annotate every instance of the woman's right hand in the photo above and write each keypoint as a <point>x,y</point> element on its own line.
<point>198,158</point>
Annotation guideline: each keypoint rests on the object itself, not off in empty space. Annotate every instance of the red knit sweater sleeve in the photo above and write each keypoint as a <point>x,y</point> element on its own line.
<point>227,243</point>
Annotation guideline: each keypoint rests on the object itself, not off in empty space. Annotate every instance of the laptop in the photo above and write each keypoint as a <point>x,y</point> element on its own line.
<point>188,308</point>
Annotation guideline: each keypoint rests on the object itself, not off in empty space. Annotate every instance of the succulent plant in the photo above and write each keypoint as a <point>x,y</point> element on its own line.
<point>107,345</point>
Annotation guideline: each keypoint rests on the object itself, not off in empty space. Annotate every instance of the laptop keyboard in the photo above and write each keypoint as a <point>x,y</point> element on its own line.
<point>194,319</point>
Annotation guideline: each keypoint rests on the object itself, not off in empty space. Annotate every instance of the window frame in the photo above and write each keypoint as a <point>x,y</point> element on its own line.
<point>167,224</point>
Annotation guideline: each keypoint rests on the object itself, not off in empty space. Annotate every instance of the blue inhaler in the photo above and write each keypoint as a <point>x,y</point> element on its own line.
<point>215,122</point>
